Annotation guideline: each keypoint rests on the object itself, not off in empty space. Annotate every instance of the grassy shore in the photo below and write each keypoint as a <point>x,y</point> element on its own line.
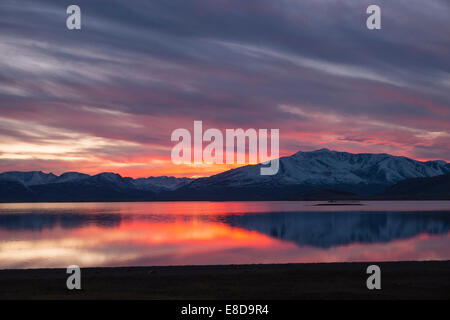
<point>399,280</point>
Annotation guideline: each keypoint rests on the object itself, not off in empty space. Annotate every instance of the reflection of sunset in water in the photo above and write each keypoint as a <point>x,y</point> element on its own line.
<point>214,208</point>
<point>124,234</point>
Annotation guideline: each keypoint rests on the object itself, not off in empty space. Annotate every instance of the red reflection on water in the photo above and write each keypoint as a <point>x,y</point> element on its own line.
<point>232,207</point>
<point>186,238</point>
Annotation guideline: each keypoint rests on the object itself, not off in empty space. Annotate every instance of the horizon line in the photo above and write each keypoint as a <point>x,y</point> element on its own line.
<point>206,176</point>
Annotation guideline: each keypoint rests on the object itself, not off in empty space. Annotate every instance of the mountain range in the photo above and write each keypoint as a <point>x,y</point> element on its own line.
<point>318,175</point>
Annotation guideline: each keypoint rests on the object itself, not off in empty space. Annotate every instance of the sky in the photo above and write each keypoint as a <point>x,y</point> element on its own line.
<point>107,97</point>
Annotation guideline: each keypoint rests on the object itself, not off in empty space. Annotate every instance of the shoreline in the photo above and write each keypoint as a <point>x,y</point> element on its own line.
<point>209,200</point>
<point>399,280</point>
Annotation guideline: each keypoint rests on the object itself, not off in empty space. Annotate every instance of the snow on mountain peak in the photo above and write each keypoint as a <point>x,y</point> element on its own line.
<point>162,183</point>
<point>322,167</point>
<point>328,167</point>
<point>30,178</point>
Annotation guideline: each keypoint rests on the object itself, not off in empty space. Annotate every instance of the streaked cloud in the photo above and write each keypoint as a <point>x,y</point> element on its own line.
<point>108,97</point>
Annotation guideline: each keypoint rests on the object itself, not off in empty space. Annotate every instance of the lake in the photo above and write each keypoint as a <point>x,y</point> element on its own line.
<point>43,235</point>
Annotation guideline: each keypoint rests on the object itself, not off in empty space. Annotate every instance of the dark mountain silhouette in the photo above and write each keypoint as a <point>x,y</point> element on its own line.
<point>12,191</point>
<point>37,186</point>
<point>316,175</point>
<point>420,188</point>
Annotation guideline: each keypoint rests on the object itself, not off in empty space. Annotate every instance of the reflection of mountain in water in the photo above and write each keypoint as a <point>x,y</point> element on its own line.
<point>327,229</point>
<point>319,229</point>
<point>36,222</point>
<point>74,220</point>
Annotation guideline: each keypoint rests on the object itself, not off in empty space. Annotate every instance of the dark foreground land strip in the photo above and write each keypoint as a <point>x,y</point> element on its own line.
<point>399,280</point>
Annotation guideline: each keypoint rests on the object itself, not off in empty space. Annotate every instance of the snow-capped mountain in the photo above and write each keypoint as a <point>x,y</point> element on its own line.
<point>317,174</point>
<point>35,178</point>
<point>31,178</point>
<point>71,176</point>
<point>326,167</point>
<point>162,183</point>
<point>113,180</point>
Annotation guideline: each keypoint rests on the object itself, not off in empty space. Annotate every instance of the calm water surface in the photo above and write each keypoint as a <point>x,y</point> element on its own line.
<point>185,233</point>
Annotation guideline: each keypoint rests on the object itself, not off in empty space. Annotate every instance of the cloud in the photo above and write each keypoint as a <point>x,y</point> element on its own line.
<point>138,70</point>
